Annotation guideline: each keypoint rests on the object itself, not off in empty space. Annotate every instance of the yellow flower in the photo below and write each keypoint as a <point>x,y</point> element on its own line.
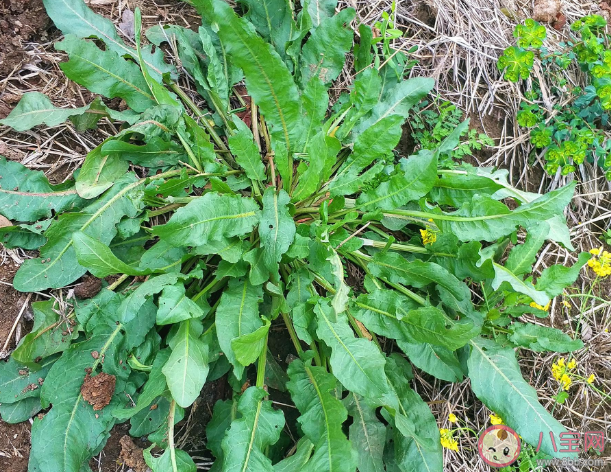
<point>495,419</point>
<point>452,418</point>
<point>561,362</point>
<point>565,381</point>
<point>591,379</point>
<point>447,440</point>
<point>543,308</point>
<point>600,263</point>
<point>428,236</point>
<point>566,304</point>
<point>430,220</point>
<point>572,364</point>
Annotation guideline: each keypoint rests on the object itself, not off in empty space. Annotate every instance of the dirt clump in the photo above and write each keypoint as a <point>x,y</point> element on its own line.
<point>98,390</point>
<point>89,287</point>
<point>131,455</point>
<point>20,21</point>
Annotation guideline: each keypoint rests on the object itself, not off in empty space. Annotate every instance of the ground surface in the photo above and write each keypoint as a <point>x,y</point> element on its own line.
<point>452,43</point>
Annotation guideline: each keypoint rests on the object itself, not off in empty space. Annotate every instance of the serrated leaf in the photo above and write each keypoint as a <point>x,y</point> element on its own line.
<point>211,217</point>
<point>27,195</point>
<point>367,434</point>
<point>522,257</point>
<point>237,315</point>
<point>497,381</point>
<point>556,278</point>
<point>74,17</point>
<point>249,436</point>
<point>155,153</point>
<point>416,438</point>
<point>246,153</point>
<point>416,273</point>
<point>317,58</point>
<point>488,220</point>
<point>51,333</point>
<point>413,178</point>
<point>105,72</point>
<point>35,109</point>
<point>187,368</point>
<point>60,266</point>
<point>356,362</point>
<point>322,416</point>
<point>277,228</point>
<point>542,338</point>
<point>277,97</point>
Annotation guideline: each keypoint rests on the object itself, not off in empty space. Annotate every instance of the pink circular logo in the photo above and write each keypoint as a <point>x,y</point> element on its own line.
<point>499,446</point>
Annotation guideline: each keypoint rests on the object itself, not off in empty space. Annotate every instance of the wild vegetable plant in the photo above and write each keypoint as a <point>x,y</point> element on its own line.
<point>215,234</point>
<point>574,130</point>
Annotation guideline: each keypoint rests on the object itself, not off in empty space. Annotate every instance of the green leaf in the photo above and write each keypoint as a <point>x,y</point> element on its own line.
<point>320,60</point>
<point>182,461</point>
<point>175,306</point>
<point>248,347</point>
<point>225,411</point>
<point>249,436</point>
<point>458,189</point>
<point>22,236</point>
<point>497,381</point>
<point>396,101</point>
<point>154,387</point>
<point>51,333</point>
<point>429,325</point>
<point>35,109</point>
<point>276,95</point>
<point>319,10</point>
<point>273,19</point>
<point>376,142</point>
<point>541,338</point>
<point>417,444</point>
<point>211,217</point>
<point>246,153</point>
<point>74,17</point>
<point>555,279</point>
<point>26,195</point>
<point>18,381</point>
<point>517,63</point>
<point>237,315</point>
<point>60,266</point>
<point>71,432</point>
<point>298,460</point>
<point>502,274</point>
<point>322,416</point>
<point>437,361</point>
<point>277,228</point>
<point>397,269</point>
<point>315,101</point>
<point>162,257</point>
<point>380,311</point>
<point>357,363</point>
<point>105,72</point>
<point>99,172</point>
<point>322,155</point>
<point>531,34</point>
<point>18,412</point>
<point>155,153</point>
<point>367,434</point>
<point>488,220</point>
<point>522,257</point>
<point>98,259</point>
<point>413,178</point>
<point>187,368</point>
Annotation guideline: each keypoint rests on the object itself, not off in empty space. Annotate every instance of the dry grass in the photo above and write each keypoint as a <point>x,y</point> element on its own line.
<point>458,43</point>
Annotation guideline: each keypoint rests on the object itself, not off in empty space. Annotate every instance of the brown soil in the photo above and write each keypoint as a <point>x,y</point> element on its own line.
<point>131,455</point>
<point>89,287</point>
<point>14,447</point>
<point>98,390</point>
<point>20,21</point>
<point>11,302</point>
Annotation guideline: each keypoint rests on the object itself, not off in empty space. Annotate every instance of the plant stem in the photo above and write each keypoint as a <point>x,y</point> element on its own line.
<point>292,333</point>
<point>117,282</point>
<point>171,446</point>
<point>194,159</point>
<point>261,365</point>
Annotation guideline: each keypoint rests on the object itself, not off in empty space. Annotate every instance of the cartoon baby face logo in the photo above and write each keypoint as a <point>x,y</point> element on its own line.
<point>499,446</point>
